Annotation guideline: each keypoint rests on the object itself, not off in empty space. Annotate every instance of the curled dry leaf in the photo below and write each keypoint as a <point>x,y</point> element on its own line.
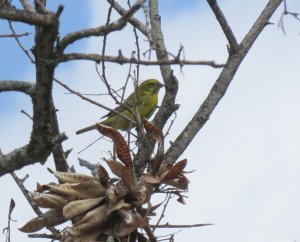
<point>151,179</point>
<point>118,205</point>
<point>111,194</point>
<point>116,167</point>
<point>157,161</point>
<point>93,219</point>
<point>78,207</point>
<point>50,218</point>
<point>122,149</point>
<point>128,177</point>
<point>154,131</point>
<point>88,189</point>
<point>49,200</point>
<point>68,177</point>
<point>103,176</point>
<point>177,182</point>
<point>123,222</point>
<point>175,170</point>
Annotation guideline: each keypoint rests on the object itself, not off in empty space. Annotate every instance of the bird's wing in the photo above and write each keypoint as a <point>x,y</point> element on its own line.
<point>128,103</point>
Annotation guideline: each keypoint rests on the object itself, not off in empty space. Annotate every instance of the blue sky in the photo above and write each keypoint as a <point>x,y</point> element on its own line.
<point>246,157</point>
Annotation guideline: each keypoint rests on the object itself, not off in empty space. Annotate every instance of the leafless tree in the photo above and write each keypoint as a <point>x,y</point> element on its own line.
<point>49,52</point>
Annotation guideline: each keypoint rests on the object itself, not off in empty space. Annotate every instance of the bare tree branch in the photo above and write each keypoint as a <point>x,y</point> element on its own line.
<point>124,60</point>
<point>58,153</point>
<point>42,139</point>
<point>23,156</point>
<point>14,35</point>
<point>221,84</point>
<point>133,21</point>
<point>224,25</point>
<point>19,86</point>
<point>168,106</point>
<point>102,30</point>
<point>19,42</point>
<point>28,17</point>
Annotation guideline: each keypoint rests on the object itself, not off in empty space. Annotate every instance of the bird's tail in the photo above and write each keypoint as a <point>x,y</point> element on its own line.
<point>86,129</point>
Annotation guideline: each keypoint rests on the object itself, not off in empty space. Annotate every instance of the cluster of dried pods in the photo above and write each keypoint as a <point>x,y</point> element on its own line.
<point>101,206</point>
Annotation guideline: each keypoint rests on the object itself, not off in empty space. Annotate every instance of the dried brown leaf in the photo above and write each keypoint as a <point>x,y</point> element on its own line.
<point>122,149</point>
<point>128,177</point>
<point>103,176</point>
<point>50,218</point>
<point>128,222</point>
<point>111,194</point>
<point>88,189</point>
<point>78,207</point>
<point>116,167</point>
<point>154,131</point>
<point>46,200</point>
<point>181,199</point>
<point>151,179</point>
<point>175,170</point>
<point>180,183</point>
<point>121,189</point>
<point>157,161</point>
<point>68,177</point>
<point>116,206</point>
<point>93,219</point>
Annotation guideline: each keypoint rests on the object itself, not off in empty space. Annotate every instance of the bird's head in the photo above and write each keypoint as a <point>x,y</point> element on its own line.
<point>150,86</point>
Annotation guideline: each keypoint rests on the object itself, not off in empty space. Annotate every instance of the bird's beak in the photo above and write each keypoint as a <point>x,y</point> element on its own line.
<point>161,85</point>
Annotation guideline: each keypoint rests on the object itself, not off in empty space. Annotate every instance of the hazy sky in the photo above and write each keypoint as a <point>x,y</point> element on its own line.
<point>246,158</point>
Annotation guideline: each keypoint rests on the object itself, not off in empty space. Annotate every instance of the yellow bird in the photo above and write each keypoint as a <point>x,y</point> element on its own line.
<point>144,100</point>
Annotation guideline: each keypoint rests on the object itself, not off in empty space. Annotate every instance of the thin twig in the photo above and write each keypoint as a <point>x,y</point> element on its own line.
<point>224,25</point>
<point>90,100</point>
<point>163,211</point>
<point>9,219</point>
<point>19,42</point>
<point>102,30</point>
<point>27,114</point>
<point>286,12</point>
<point>88,146</point>
<point>170,126</point>
<point>14,35</point>
<point>36,209</point>
<point>176,226</point>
